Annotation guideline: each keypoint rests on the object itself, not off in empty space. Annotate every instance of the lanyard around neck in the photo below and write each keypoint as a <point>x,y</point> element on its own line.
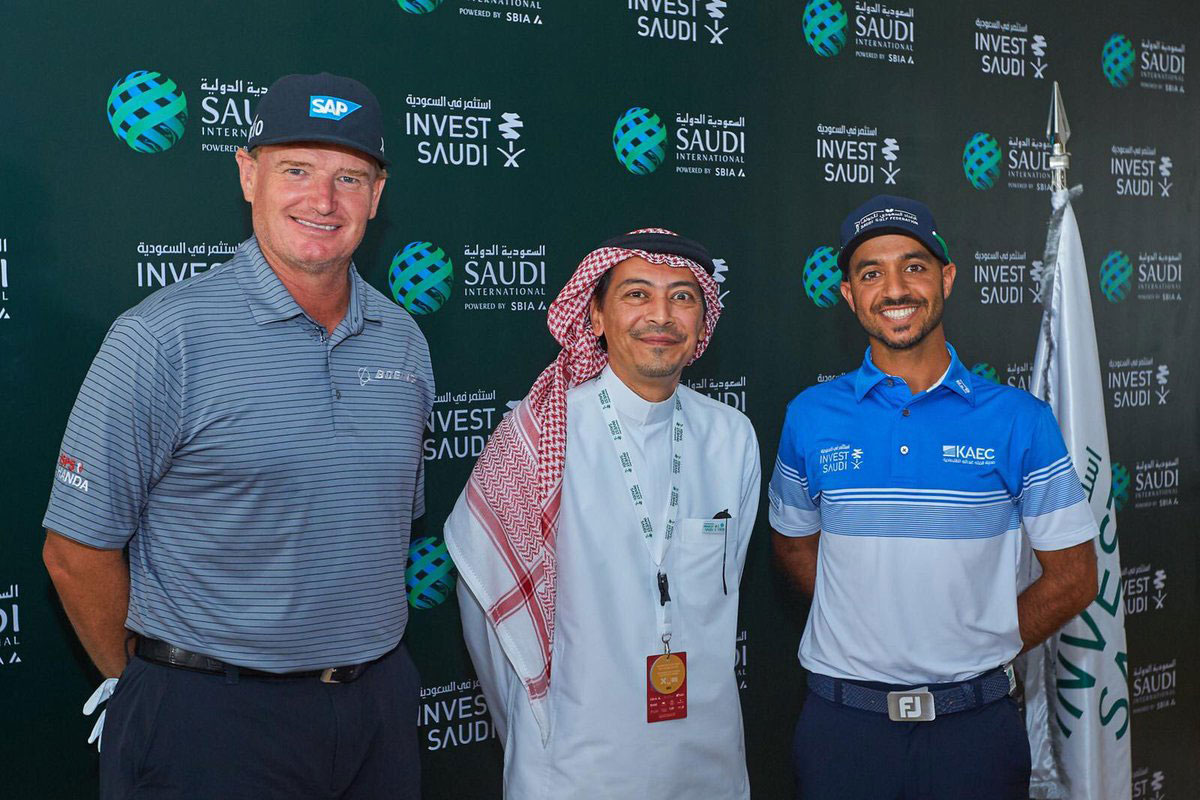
<point>655,542</point>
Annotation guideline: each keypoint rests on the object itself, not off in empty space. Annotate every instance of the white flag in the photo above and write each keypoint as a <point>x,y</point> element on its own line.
<point>1076,688</point>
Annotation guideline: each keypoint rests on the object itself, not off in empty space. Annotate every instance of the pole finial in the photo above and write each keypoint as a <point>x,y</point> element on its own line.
<point>1058,131</point>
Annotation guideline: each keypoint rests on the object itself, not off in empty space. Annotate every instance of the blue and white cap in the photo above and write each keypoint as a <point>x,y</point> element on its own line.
<point>885,213</point>
<point>319,108</point>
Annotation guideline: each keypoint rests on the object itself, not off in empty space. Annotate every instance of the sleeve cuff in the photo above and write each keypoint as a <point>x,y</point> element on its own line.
<point>793,528</point>
<point>69,531</point>
<point>1062,541</point>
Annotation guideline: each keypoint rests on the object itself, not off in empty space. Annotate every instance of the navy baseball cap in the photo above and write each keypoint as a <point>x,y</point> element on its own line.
<point>319,108</point>
<point>885,213</point>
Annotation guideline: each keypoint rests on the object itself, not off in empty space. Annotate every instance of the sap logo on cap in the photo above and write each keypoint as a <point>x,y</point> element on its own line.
<point>330,107</point>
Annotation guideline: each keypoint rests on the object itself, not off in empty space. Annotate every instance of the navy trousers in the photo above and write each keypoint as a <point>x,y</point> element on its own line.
<point>174,733</point>
<point>842,753</point>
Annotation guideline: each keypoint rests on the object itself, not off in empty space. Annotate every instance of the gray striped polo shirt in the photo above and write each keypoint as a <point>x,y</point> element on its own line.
<point>263,472</point>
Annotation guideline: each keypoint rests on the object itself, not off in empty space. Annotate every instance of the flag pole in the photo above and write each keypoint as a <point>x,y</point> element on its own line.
<point>1058,132</point>
<point>1076,683</point>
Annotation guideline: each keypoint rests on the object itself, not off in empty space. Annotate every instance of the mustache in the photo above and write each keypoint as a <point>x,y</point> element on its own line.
<point>907,300</point>
<point>657,330</point>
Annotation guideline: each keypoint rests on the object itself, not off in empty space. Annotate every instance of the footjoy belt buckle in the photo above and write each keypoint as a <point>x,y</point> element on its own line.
<point>911,706</point>
<point>1012,679</point>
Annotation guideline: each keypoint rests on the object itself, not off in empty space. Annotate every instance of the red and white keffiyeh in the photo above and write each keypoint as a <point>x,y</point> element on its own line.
<point>508,558</point>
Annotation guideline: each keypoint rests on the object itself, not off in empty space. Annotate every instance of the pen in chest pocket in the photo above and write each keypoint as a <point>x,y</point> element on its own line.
<point>724,548</point>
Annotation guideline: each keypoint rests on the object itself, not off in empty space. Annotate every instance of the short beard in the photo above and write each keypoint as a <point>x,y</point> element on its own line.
<point>657,369</point>
<point>660,367</point>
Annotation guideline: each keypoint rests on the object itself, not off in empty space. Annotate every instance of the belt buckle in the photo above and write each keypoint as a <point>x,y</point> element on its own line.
<point>1012,679</point>
<point>915,705</point>
<point>346,674</point>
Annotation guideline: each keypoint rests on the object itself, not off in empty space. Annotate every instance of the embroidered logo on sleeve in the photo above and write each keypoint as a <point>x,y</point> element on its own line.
<point>70,472</point>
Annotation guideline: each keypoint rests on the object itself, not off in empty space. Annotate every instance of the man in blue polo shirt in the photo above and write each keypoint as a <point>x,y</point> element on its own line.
<point>251,438</point>
<point>897,502</point>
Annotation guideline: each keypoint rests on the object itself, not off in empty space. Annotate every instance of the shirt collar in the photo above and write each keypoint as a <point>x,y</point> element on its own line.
<point>363,304</point>
<point>632,405</point>
<point>363,298</point>
<point>957,378</point>
<point>270,301</point>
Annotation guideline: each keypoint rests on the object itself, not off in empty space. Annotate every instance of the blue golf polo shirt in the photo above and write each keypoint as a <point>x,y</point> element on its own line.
<point>263,472</point>
<point>920,500</point>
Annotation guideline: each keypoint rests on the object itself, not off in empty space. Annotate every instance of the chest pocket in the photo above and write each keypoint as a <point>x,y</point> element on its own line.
<point>705,562</point>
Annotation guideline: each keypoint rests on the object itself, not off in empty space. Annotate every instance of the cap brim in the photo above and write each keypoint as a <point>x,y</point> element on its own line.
<point>882,230</point>
<point>323,139</point>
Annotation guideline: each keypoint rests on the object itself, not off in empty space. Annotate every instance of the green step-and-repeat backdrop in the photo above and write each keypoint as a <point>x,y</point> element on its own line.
<point>758,126</point>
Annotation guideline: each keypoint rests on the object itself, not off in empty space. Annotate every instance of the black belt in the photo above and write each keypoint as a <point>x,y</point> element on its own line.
<point>160,652</point>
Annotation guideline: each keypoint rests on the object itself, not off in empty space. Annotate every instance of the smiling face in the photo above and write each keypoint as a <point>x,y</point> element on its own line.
<point>310,202</point>
<point>897,289</point>
<point>651,316</point>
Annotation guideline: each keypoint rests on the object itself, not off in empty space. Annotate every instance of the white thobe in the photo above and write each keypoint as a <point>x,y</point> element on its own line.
<point>600,744</point>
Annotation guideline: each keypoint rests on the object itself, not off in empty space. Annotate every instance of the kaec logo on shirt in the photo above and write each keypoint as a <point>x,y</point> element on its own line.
<point>968,454</point>
<point>330,107</point>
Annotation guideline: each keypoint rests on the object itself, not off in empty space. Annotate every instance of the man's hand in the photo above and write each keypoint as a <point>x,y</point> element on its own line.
<point>796,556</point>
<point>1066,587</point>
<point>94,588</point>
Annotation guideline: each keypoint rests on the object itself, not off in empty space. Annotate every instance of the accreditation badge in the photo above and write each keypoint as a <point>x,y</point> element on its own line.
<point>666,687</point>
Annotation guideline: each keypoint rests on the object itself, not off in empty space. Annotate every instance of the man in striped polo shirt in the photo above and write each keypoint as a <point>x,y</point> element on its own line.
<point>897,502</point>
<point>251,438</point>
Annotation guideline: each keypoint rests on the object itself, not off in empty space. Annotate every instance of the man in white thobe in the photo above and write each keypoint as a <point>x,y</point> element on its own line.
<point>627,579</point>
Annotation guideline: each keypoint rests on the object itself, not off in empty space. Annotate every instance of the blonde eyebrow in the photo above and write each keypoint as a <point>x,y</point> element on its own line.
<point>353,172</point>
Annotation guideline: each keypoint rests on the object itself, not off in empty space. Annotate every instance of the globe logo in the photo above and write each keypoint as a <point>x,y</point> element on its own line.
<point>419,6</point>
<point>987,371</point>
<point>1116,60</point>
<point>1120,486</point>
<point>981,160</point>
<point>421,277</point>
<point>430,573</point>
<point>825,27</point>
<point>638,139</point>
<point>1116,276</point>
<point>147,111</point>
<point>822,276</point>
